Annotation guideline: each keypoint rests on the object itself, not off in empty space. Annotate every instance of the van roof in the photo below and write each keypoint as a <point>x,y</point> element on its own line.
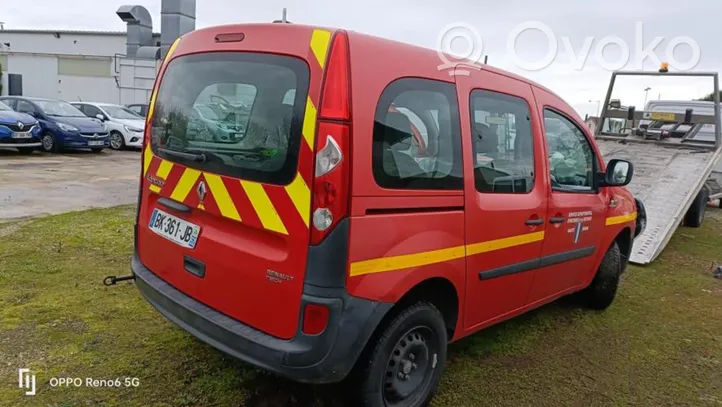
<point>417,54</point>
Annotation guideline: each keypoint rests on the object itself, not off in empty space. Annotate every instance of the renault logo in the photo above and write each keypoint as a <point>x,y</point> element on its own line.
<point>95,135</point>
<point>21,126</point>
<point>201,191</point>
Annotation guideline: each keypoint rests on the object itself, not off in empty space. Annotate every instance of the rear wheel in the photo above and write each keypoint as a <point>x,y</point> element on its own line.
<point>601,292</point>
<point>49,143</point>
<point>695,214</point>
<point>402,368</point>
<point>117,141</point>
<point>26,150</point>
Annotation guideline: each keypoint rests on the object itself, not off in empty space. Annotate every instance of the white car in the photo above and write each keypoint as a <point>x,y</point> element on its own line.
<point>125,126</point>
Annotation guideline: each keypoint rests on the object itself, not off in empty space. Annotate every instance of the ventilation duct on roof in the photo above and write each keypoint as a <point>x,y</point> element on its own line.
<point>177,17</point>
<point>140,28</point>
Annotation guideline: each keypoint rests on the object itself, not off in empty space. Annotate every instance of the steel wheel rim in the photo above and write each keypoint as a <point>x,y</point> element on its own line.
<point>410,365</point>
<point>115,141</point>
<point>47,142</point>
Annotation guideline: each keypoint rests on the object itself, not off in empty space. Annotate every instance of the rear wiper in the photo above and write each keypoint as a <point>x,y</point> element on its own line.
<point>201,158</point>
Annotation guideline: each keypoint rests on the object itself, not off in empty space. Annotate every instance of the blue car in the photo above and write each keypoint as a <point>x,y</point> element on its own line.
<point>18,130</point>
<point>62,126</point>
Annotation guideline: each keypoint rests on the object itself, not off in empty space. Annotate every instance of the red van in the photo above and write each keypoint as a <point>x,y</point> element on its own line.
<point>319,203</point>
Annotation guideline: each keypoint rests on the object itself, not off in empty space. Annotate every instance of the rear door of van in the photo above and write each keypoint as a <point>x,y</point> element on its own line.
<point>227,169</point>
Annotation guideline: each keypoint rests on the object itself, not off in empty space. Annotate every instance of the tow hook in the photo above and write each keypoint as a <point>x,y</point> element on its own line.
<point>112,280</point>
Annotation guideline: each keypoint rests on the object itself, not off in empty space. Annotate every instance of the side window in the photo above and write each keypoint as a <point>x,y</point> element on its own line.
<point>80,107</point>
<point>502,143</point>
<point>416,137</point>
<point>135,108</point>
<point>25,107</point>
<point>571,158</point>
<point>91,111</point>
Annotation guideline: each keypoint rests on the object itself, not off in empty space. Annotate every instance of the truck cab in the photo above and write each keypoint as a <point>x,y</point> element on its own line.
<point>372,212</point>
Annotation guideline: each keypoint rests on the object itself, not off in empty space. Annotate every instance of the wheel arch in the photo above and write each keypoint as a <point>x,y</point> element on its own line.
<point>438,291</point>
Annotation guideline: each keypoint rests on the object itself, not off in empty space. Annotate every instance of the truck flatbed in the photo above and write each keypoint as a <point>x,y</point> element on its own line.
<point>666,179</point>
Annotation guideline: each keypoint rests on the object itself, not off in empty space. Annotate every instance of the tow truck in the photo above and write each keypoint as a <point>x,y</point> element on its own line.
<point>675,147</point>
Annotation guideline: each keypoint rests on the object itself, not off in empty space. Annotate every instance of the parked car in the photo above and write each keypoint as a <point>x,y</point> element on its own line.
<point>141,109</point>
<point>62,125</point>
<point>325,244</point>
<point>125,127</point>
<point>18,130</point>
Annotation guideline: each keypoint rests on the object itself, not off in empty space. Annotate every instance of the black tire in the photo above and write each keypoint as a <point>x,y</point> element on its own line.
<point>26,150</point>
<point>601,292</point>
<point>402,367</point>
<point>49,143</point>
<point>695,213</point>
<point>117,141</point>
<point>96,150</point>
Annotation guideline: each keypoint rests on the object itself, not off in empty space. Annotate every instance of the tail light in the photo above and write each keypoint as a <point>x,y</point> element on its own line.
<point>333,144</point>
<point>315,319</point>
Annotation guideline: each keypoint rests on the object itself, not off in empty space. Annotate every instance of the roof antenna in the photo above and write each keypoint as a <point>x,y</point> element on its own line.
<point>283,19</point>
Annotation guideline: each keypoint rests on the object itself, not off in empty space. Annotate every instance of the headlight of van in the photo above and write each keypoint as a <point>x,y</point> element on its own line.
<point>67,127</point>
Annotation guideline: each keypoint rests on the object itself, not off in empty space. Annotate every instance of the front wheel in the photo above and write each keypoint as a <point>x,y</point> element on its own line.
<point>117,141</point>
<point>601,292</point>
<point>49,143</point>
<point>403,367</point>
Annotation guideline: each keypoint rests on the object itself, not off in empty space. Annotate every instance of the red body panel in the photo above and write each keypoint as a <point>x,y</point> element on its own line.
<point>493,216</point>
<point>272,233</point>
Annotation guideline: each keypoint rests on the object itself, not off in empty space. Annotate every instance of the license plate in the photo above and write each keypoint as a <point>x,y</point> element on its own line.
<point>662,116</point>
<point>25,134</point>
<point>174,229</point>
<point>96,143</point>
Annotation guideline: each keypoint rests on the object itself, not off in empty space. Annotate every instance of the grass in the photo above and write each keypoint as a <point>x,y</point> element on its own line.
<point>660,344</point>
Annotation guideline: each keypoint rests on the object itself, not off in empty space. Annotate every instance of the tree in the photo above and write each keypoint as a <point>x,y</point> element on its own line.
<point>710,97</point>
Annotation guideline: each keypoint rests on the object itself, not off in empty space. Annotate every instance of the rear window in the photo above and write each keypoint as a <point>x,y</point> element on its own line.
<point>236,114</point>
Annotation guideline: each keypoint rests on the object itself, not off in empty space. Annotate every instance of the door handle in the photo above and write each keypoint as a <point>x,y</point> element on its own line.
<point>556,219</point>
<point>534,222</point>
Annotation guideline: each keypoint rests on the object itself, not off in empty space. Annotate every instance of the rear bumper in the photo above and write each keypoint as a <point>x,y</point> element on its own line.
<point>324,358</point>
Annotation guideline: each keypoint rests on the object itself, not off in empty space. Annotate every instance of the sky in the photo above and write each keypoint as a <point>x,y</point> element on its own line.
<point>573,25</point>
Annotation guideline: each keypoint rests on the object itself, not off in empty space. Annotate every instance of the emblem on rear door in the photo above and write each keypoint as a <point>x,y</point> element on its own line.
<point>201,190</point>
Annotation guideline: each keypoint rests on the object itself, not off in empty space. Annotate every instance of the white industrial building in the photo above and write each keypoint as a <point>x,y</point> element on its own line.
<point>71,65</point>
<point>97,66</point>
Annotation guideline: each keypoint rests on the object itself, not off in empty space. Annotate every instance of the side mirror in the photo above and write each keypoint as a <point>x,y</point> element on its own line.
<point>619,173</point>
<point>100,117</point>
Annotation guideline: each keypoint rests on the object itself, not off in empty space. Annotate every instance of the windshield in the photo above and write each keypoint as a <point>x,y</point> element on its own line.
<point>224,113</point>
<point>59,108</point>
<point>120,112</point>
<point>3,106</point>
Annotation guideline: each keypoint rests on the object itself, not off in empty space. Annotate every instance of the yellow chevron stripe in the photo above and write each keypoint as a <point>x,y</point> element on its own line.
<point>222,197</point>
<point>615,220</point>
<point>498,244</point>
<point>309,123</point>
<point>154,188</point>
<point>185,184</point>
<point>164,169</point>
<point>405,261</point>
<point>151,107</point>
<point>147,158</point>
<point>319,45</point>
<point>300,195</point>
<point>264,207</point>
